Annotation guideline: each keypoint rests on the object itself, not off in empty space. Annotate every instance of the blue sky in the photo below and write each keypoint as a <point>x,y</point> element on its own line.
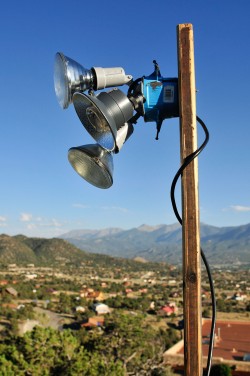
<point>41,195</point>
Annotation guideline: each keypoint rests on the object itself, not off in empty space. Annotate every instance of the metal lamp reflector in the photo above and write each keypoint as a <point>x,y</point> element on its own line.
<point>92,163</point>
<point>103,115</point>
<point>69,77</point>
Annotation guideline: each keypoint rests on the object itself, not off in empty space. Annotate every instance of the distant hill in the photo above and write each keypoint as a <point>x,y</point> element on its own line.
<point>22,250</point>
<point>12,250</point>
<point>222,245</point>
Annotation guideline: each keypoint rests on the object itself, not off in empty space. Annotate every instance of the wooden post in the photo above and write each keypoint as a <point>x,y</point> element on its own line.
<point>190,204</point>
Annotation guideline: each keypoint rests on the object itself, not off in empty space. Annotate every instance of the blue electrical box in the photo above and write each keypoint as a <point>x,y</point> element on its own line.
<point>161,98</point>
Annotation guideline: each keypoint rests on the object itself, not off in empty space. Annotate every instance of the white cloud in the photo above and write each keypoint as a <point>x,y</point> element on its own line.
<point>48,223</point>
<point>80,206</point>
<point>41,227</point>
<point>25,217</point>
<point>56,223</point>
<point>116,208</point>
<point>3,221</point>
<point>240,208</point>
<point>31,226</point>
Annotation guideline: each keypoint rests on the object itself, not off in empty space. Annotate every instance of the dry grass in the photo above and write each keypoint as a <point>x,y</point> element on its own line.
<point>233,316</point>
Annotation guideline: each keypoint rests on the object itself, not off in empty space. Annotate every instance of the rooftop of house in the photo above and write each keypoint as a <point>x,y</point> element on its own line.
<point>94,321</point>
<point>230,346</point>
<point>11,291</point>
<point>231,340</point>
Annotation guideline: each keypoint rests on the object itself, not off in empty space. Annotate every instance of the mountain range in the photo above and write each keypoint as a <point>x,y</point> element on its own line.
<point>222,245</point>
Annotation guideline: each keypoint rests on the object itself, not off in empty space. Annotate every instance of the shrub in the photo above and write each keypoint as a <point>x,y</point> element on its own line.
<point>220,370</point>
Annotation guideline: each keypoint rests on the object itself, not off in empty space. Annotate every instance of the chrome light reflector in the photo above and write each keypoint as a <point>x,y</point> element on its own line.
<point>93,163</point>
<point>69,77</point>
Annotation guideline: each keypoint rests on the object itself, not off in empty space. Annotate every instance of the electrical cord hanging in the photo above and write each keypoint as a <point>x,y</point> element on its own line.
<point>188,160</point>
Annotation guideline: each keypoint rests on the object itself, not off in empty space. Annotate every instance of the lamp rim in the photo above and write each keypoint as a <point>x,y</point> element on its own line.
<point>60,63</point>
<point>86,149</point>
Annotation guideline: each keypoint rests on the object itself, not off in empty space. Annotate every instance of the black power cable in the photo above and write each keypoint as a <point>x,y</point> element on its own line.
<point>188,160</point>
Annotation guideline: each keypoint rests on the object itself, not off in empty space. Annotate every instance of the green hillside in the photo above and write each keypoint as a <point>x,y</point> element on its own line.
<point>22,250</point>
<point>13,250</point>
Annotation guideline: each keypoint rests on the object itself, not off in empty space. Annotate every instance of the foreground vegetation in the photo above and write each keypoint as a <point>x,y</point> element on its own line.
<point>49,324</point>
<point>124,345</point>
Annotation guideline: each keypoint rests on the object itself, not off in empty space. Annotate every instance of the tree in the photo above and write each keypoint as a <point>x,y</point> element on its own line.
<point>162,371</point>
<point>125,344</point>
<point>220,370</point>
<point>206,312</point>
<point>220,305</point>
<point>7,367</point>
<point>65,303</point>
<point>45,351</point>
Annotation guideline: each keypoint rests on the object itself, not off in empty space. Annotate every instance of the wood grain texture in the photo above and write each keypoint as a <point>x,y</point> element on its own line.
<point>190,204</point>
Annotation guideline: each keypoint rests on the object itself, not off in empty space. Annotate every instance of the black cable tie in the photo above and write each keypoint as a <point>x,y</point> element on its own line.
<point>158,128</point>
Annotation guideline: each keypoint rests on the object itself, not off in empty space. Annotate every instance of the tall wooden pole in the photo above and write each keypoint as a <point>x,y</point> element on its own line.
<point>190,204</point>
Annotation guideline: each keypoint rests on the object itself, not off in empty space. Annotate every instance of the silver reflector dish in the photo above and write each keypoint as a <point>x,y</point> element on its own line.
<point>93,163</point>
